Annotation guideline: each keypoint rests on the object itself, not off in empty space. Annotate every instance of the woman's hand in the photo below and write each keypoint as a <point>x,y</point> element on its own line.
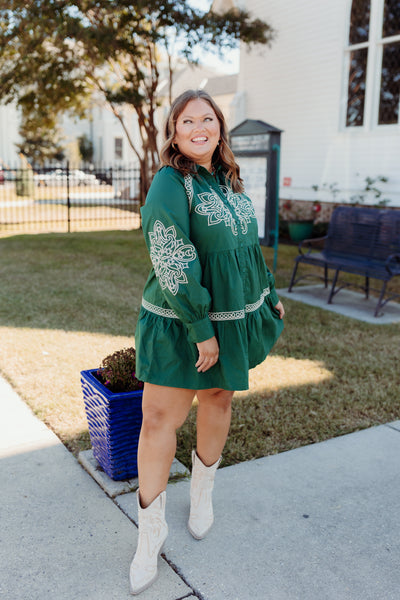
<point>280,309</point>
<point>208,354</point>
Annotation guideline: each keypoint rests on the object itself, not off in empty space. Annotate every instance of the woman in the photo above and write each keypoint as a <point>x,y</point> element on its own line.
<point>209,313</point>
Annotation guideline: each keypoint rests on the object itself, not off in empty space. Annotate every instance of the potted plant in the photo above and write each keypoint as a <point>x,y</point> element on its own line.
<point>113,403</point>
<point>300,218</point>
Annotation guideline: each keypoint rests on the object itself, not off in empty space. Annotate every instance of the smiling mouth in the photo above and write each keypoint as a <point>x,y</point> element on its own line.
<point>200,139</point>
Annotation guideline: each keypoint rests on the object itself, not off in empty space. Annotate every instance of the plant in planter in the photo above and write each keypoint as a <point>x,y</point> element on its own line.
<point>113,403</point>
<point>300,218</point>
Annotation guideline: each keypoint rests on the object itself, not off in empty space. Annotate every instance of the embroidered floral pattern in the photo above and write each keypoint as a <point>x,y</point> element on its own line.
<point>212,207</point>
<point>243,208</point>
<point>170,256</point>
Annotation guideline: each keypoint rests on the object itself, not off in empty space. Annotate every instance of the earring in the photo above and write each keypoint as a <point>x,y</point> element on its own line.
<point>174,145</point>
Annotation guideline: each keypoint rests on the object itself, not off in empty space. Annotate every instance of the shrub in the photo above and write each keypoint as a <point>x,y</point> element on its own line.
<point>118,371</point>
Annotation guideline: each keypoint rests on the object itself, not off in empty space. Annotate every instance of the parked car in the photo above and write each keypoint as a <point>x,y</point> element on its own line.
<point>82,178</point>
<point>104,176</point>
<point>2,177</point>
<point>60,177</point>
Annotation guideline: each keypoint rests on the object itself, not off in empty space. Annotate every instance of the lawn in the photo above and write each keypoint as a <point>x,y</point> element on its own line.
<point>68,300</point>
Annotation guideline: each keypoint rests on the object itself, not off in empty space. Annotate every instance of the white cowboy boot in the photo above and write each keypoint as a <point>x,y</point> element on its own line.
<point>201,511</point>
<point>153,531</point>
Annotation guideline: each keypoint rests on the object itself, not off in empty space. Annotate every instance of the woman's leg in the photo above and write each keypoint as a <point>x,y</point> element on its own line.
<point>164,411</point>
<point>213,422</point>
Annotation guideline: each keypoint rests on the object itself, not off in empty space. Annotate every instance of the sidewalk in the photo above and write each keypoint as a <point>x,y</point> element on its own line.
<point>347,303</point>
<point>316,523</point>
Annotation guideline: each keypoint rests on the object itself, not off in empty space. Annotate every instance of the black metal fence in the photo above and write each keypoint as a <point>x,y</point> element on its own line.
<point>67,199</point>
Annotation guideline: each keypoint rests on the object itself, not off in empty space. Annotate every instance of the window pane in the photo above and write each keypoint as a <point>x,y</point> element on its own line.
<point>359,21</point>
<point>390,85</point>
<point>391,18</point>
<point>118,148</point>
<point>356,91</point>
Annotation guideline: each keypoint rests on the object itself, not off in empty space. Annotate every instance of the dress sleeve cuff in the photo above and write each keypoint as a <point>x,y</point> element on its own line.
<point>199,331</point>
<point>274,297</point>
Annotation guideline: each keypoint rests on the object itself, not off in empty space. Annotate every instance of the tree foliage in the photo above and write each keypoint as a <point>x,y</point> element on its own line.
<point>54,55</point>
<point>41,138</point>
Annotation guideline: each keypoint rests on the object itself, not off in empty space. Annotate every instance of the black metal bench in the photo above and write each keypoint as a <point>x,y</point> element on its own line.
<point>362,241</point>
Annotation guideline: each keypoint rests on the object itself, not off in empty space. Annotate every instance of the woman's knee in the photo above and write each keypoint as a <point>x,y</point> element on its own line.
<point>154,419</point>
<point>216,397</point>
<point>161,412</point>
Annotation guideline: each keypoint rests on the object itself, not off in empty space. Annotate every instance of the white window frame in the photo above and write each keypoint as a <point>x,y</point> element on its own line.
<point>375,45</point>
<point>100,152</point>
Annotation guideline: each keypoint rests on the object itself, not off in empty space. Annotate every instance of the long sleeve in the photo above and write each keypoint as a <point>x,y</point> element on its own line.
<point>166,228</point>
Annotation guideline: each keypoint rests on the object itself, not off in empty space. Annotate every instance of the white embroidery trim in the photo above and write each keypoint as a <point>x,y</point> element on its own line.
<point>159,310</point>
<point>232,315</point>
<point>189,189</point>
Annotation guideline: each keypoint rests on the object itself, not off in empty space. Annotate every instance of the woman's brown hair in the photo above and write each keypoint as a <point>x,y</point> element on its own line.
<point>223,156</point>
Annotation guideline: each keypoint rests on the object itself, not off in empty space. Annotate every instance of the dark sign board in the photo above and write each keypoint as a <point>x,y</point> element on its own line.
<point>250,143</point>
<point>256,145</point>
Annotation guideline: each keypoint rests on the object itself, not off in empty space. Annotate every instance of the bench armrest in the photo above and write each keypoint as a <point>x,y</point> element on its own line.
<point>308,244</point>
<point>392,259</point>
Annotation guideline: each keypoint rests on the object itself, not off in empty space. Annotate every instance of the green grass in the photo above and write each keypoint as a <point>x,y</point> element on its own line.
<point>68,300</point>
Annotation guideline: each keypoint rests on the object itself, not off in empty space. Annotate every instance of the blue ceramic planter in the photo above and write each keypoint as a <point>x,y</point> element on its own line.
<point>114,421</point>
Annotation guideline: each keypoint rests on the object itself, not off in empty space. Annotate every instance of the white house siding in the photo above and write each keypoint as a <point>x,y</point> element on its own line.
<point>222,89</point>
<point>9,124</point>
<point>105,128</point>
<point>72,129</point>
<point>300,86</point>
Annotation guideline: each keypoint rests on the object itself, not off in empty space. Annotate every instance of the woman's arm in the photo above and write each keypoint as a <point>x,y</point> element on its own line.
<point>208,354</point>
<point>280,309</point>
<point>166,228</point>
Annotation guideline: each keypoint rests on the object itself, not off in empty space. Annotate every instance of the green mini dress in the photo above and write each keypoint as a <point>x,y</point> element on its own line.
<point>208,278</point>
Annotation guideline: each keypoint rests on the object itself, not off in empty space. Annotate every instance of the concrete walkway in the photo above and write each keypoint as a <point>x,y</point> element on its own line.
<point>317,523</point>
<point>347,303</point>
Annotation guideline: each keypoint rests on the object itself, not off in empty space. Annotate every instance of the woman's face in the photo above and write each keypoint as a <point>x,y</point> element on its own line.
<point>198,132</point>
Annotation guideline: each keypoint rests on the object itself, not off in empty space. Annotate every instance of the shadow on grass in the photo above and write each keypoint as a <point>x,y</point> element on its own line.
<point>75,282</point>
<point>92,283</point>
<point>315,404</point>
<point>269,423</point>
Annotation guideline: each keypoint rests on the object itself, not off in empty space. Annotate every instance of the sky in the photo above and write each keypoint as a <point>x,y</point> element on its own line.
<point>230,62</point>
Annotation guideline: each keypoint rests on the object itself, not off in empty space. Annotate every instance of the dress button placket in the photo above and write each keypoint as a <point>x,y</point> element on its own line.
<point>241,247</point>
<point>240,235</point>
